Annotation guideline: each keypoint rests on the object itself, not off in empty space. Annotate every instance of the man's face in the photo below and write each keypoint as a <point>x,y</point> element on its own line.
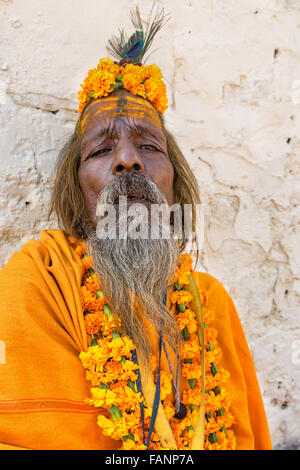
<point>122,134</point>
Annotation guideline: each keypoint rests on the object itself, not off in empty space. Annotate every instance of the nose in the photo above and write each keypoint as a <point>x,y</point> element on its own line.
<point>127,158</point>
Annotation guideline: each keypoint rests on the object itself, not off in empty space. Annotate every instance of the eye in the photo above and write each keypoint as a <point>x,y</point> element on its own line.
<point>100,152</point>
<point>149,148</point>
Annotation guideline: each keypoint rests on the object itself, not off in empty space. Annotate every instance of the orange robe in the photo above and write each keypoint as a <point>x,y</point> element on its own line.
<point>42,381</point>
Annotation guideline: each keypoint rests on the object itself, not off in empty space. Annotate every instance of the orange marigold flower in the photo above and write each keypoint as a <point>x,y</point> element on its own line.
<point>181,297</point>
<point>208,315</point>
<point>190,349</point>
<point>187,260</point>
<point>191,371</point>
<point>79,250</point>
<point>145,81</point>
<point>93,284</point>
<point>87,262</point>
<point>71,240</point>
<point>182,275</point>
<point>92,323</point>
<point>86,297</point>
<point>187,319</point>
<point>210,335</point>
<point>213,356</point>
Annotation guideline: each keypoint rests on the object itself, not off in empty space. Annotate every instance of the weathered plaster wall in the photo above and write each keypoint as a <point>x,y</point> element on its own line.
<point>233,74</point>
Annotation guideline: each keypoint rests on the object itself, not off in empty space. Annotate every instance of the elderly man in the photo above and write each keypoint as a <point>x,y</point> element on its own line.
<point>111,342</point>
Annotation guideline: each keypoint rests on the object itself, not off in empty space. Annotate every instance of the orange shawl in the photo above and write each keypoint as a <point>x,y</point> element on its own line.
<point>42,381</point>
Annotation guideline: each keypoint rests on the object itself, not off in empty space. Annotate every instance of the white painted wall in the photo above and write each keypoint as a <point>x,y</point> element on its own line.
<point>233,73</point>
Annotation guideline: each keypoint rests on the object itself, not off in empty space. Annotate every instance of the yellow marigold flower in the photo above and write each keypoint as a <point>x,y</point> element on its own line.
<point>109,428</point>
<point>102,397</point>
<point>181,297</point>
<point>169,409</point>
<point>129,444</point>
<point>121,347</point>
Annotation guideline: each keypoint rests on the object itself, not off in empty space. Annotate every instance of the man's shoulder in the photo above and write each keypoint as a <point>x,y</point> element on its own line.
<point>33,251</point>
<point>207,281</point>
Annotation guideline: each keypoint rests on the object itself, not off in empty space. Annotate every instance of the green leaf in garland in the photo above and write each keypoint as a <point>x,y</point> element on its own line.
<point>131,384</point>
<point>192,383</point>
<point>190,428</point>
<point>192,408</point>
<point>107,310</point>
<point>104,386</point>
<point>214,369</point>
<point>177,286</point>
<point>115,413</point>
<point>115,334</point>
<point>188,361</point>
<point>99,294</point>
<point>129,436</point>
<point>181,308</point>
<point>217,390</point>
<point>91,272</point>
<point>212,438</point>
<point>118,85</point>
<point>94,342</point>
<point>185,333</point>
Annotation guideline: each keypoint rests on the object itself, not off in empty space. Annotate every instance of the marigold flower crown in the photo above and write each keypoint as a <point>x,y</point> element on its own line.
<point>128,72</point>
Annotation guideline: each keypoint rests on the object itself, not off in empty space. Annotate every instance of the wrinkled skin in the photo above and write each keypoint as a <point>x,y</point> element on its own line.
<point>122,134</point>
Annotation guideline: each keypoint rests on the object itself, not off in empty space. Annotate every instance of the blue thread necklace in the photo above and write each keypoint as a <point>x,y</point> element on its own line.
<point>157,389</point>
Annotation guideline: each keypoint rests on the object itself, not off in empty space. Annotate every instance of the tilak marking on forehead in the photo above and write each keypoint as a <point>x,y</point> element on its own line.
<point>122,102</point>
<point>123,106</point>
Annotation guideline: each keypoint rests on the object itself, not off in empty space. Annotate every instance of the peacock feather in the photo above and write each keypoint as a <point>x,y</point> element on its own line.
<point>134,48</point>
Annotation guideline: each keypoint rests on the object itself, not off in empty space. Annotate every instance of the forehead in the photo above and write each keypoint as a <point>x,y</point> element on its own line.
<point>128,107</point>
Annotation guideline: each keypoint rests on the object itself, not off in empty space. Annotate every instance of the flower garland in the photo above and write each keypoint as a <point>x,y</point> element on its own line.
<point>113,374</point>
<point>108,76</point>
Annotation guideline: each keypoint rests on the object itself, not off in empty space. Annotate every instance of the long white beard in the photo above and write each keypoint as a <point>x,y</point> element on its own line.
<point>137,271</point>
